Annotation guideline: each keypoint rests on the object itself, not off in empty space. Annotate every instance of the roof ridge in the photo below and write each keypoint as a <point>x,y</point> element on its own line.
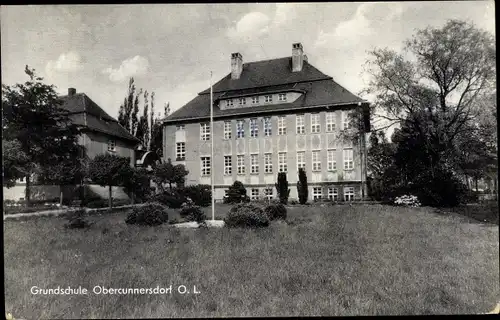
<point>266,60</point>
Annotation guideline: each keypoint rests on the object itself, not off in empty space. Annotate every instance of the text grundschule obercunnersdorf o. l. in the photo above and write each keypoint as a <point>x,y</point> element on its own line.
<point>103,290</point>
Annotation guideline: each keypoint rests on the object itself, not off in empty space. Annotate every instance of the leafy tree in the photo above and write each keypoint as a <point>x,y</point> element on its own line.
<point>37,131</point>
<point>282,188</point>
<point>109,170</point>
<point>134,115</point>
<point>137,183</point>
<point>237,193</point>
<point>302,188</point>
<point>143,127</point>
<point>167,173</point>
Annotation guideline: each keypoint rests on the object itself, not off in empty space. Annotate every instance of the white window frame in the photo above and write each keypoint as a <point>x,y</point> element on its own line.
<point>346,124</point>
<point>242,101</point>
<point>180,151</point>
<point>281,125</point>
<point>348,159</point>
<point>227,130</point>
<point>254,163</point>
<point>269,193</point>
<point>268,127</point>
<point>205,131</point>
<point>179,127</point>
<point>255,99</point>
<point>331,157</point>
<point>301,160</point>
<point>206,165</point>
<point>240,129</point>
<point>316,160</point>
<point>254,194</point>
<point>268,163</point>
<point>300,124</point>
<point>228,165</point>
<point>254,128</point>
<point>112,145</point>
<point>315,123</point>
<point>333,193</point>
<point>229,103</point>
<point>240,163</point>
<point>330,121</point>
<point>281,96</point>
<point>349,193</point>
<point>282,163</point>
<point>268,98</point>
<point>317,195</point>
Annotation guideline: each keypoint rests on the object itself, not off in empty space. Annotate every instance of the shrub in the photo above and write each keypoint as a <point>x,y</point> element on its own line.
<point>276,211</point>
<point>442,189</point>
<point>407,201</point>
<point>302,186</point>
<point>282,188</point>
<point>201,194</point>
<point>293,202</point>
<point>77,220</point>
<point>152,214</point>
<point>192,212</point>
<point>246,215</point>
<point>237,193</point>
<point>172,199</point>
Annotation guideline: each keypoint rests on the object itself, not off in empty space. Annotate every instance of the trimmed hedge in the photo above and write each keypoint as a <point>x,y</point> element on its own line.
<point>172,199</point>
<point>191,212</point>
<point>246,215</point>
<point>152,214</point>
<point>276,211</point>
<point>201,194</point>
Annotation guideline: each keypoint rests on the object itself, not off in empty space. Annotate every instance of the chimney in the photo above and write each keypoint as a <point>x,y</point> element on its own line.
<point>71,91</point>
<point>236,65</point>
<point>298,57</point>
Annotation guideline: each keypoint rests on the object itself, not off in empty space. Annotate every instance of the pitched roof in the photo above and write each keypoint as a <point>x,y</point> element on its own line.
<point>80,105</point>
<point>268,76</point>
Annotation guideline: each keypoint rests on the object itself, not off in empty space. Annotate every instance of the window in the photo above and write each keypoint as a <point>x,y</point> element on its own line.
<point>268,163</point>
<point>267,127</point>
<point>348,159</point>
<point>282,162</point>
<point>180,151</point>
<point>228,165</point>
<point>254,163</point>
<point>268,192</point>
<point>281,125</point>
<point>300,124</point>
<point>332,163</point>
<point>282,97</point>
<point>254,128</point>
<point>330,122</point>
<point>315,127</point>
<point>333,194</point>
<point>316,161</point>
<point>348,193</point>
<point>254,194</point>
<point>111,145</point>
<point>226,193</point>
<point>268,98</point>
<point>240,129</point>
<point>229,102</point>
<point>346,123</point>
<point>301,160</point>
<point>205,131</point>
<point>206,165</point>
<point>241,164</point>
<point>179,127</point>
<point>317,193</point>
<point>255,99</point>
<point>227,130</point>
<point>243,101</point>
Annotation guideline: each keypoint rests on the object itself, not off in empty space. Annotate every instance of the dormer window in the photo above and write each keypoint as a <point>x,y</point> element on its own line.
<point>282,97</point>
<point>255,99</point>
<point>243,101</point>
<point>229,102</point>
<point>268,98</point>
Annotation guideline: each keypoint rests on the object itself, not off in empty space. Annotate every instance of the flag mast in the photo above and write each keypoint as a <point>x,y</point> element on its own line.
<point>212,141</point>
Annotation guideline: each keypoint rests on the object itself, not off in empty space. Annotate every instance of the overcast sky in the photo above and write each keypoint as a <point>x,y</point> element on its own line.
<point>170,49</point>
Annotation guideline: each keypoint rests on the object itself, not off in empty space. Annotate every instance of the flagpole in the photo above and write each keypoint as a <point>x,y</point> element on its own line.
<point>212,140</point>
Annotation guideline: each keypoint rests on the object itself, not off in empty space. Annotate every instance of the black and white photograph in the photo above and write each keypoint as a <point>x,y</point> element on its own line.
<point>249,159</point>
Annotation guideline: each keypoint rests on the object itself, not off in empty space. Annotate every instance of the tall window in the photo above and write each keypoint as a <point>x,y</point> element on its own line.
<point>180,151</point>
<point>301,160</point>
<point>255,99</point>
<point>241,164</point>
<point>268,98</point>
<point>240,129</point>
<point>316,161</point>
<point>254,128</point>
<point>300,124</point>
<point>205,131</point>
<point>111,145</point>
<point>255,194</point>
<point>330,122</point>
<point>348,159</point>
<point>206,165</point>
<point>282,97</point>
<point>281,125</point>
<point>228,165</point>
<point>348,193</point>
<point>229,102</point>
<point>227,130</point>
<point>268,193</point>
<point>268,163</point>
<point>333,194</point>
<point>254,163</point>
<point>332,163</point>
<point>317,193</point>
<point>267,127</point>
<point>315,127</point>
<point>346,123</point>
<point>179,127</point>
<point>282,162</point>
<point>243,101</point>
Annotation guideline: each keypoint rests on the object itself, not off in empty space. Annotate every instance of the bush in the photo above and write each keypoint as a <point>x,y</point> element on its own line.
<point>276,211</point>
<point>282,188</point>
<point>201,194</point>
<point>293,202</point>
<point>246,215</point>
<point>192,212</point>
<point>152,214</point>
<point>441,190</point>
<point>302,188</point>
<point>407,201</point>
<point>77,220</point>
<point>237,193</point>
<point>172,199</point>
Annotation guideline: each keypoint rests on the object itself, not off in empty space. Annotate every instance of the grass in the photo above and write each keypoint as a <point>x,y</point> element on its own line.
<point>332,260</point>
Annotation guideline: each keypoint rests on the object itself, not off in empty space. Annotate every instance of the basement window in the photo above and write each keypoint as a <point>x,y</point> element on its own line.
<point>111,145</point>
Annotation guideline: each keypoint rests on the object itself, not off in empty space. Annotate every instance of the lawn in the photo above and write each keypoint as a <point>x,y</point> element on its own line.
<point>332,260</point>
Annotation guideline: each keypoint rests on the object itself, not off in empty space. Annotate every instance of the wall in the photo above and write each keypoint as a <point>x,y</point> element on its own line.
<point>97,143</point>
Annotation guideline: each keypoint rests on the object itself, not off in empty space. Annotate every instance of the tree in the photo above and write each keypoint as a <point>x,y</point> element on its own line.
<point>282,188</point>
<point>167,173</point>
<point>237,193</point>
<point>109,170</point>
<point>37,131</point>
<point>134,116</point>
<point>137,184</point>
<point>143,127</point>
<point>302,186</point>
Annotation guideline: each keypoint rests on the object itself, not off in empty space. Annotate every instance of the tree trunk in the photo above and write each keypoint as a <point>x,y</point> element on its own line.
<point>60,195</point>
<point>132,197</point>
<point>170,183</point>
<point>28,191</point>
<point>476,184</point>
<point>110,197</point>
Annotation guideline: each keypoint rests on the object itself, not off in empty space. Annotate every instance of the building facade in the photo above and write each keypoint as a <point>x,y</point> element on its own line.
<point>271,116</point>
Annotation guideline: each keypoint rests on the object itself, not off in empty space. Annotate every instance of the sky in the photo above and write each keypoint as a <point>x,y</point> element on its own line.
<point>171,48</point>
